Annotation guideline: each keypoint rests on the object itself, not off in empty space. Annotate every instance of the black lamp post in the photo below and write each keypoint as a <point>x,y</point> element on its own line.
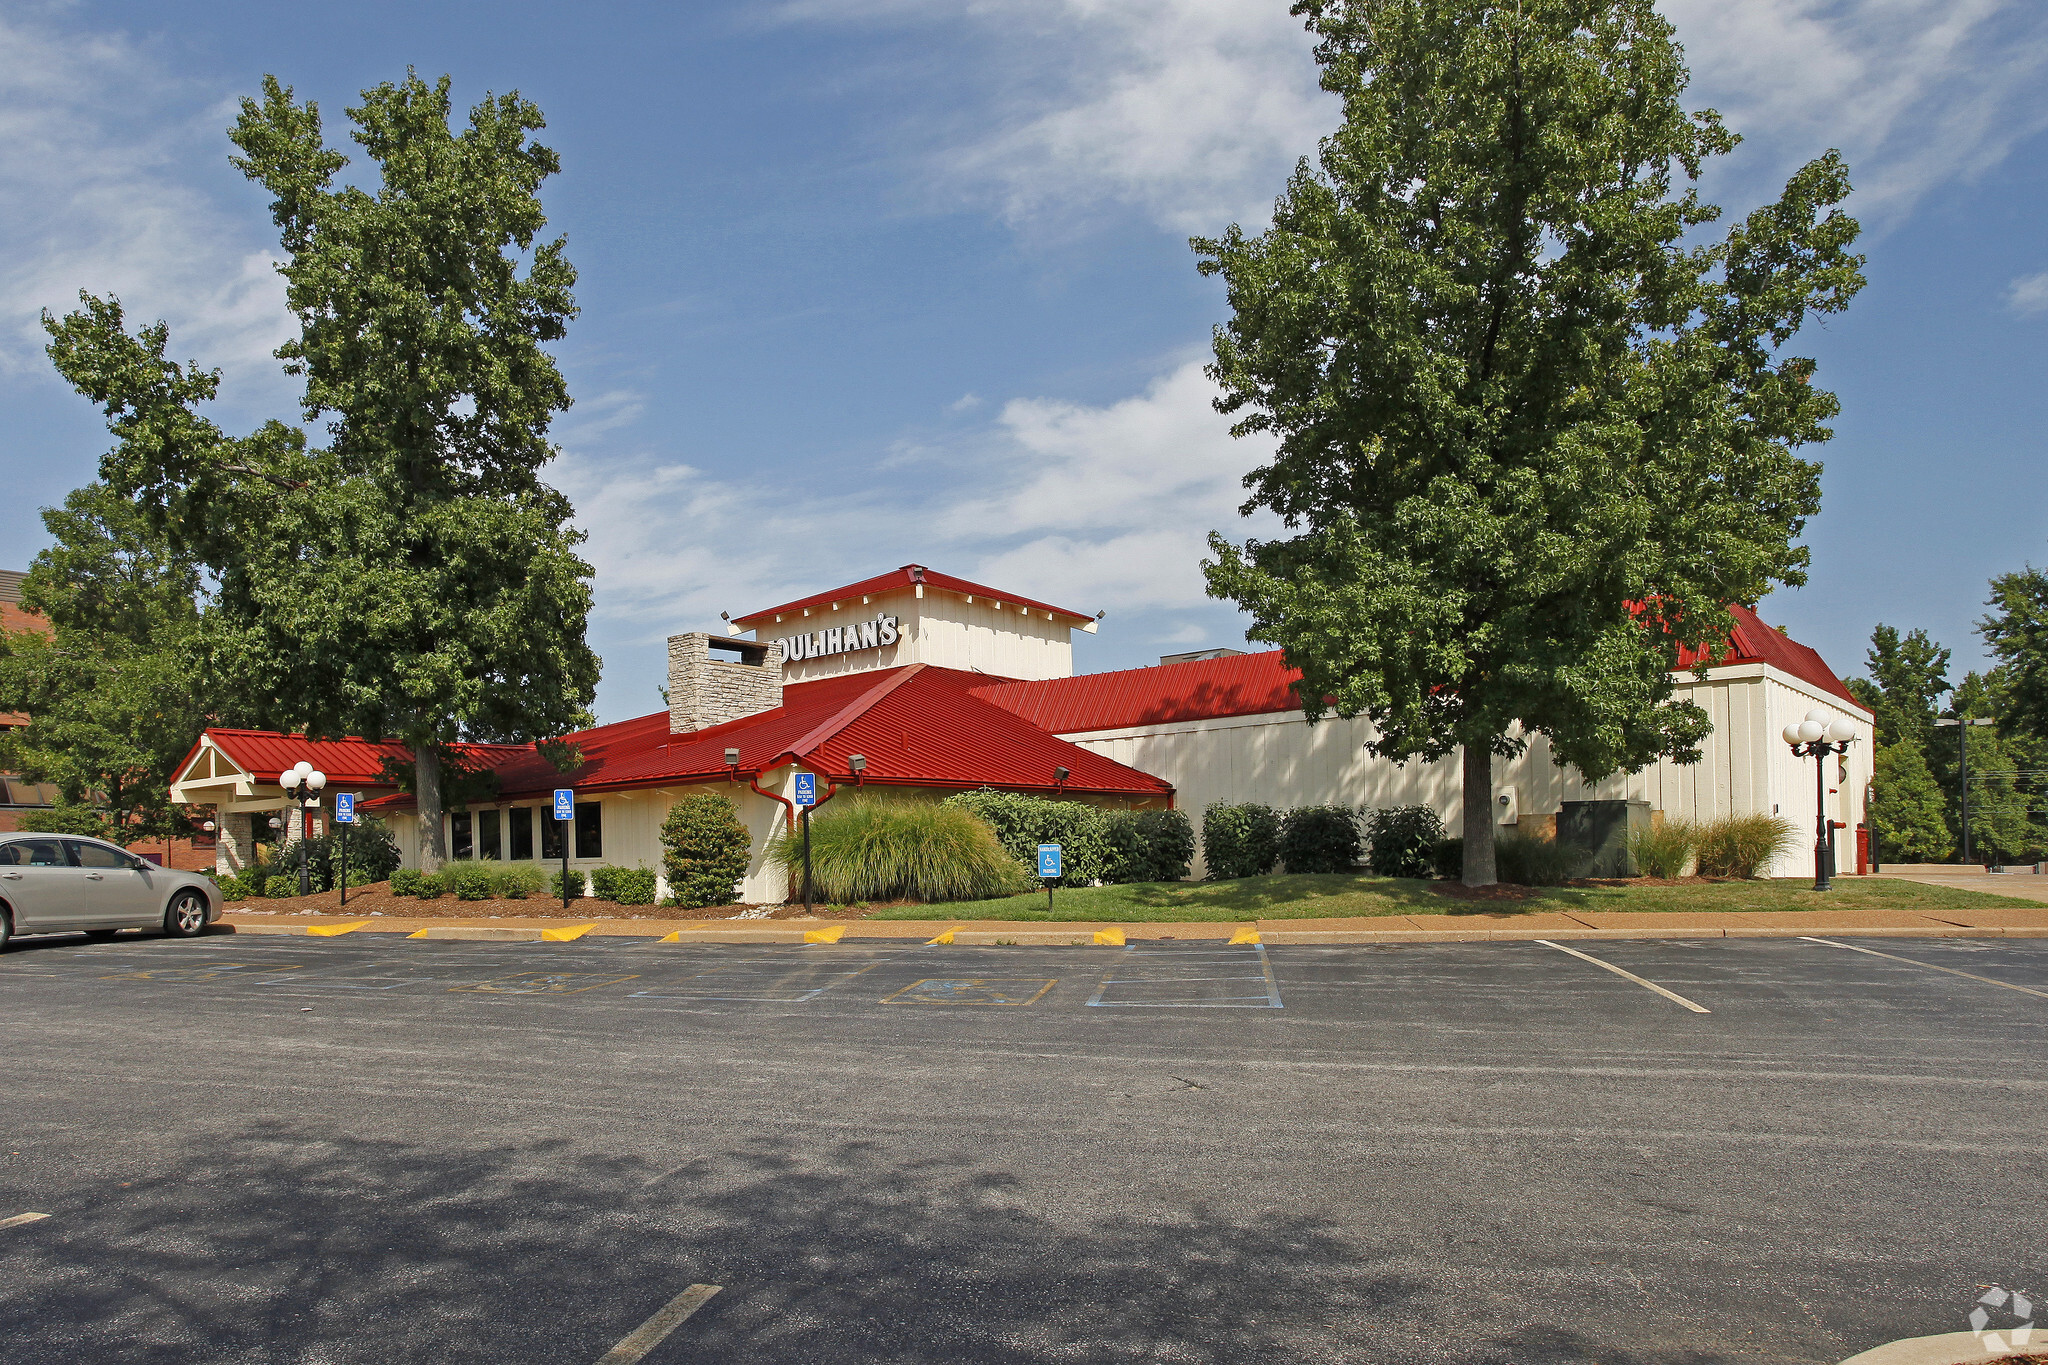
<point>1963,737</point>
<point>1816,737</point>
<point>302,783</point>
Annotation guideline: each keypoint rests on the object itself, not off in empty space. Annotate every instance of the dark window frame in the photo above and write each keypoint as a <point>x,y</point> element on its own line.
<point>519,843</point>
<point>489,839</point>
<point>551,836</point>
<point>461,834</point>
<point>589,832</point>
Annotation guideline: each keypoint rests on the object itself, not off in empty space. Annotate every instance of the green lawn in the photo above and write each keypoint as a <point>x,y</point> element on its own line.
<point>1314,896</point>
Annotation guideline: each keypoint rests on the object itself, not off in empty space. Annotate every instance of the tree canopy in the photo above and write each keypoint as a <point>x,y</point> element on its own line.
<point>413,576</point>
<point>1533,426</point>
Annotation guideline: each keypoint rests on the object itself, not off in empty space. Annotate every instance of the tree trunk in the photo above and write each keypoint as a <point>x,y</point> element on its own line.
<point>1479,817</point>
<point>427,787</point>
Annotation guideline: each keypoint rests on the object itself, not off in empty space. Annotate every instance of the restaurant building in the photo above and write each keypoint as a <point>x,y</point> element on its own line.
<point>919,684</point>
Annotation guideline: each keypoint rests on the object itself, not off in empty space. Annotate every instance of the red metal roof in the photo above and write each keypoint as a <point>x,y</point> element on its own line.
<point>917,726</point>
<point>897,579</point>
<point>1262,684</point>
<point>347,762</point>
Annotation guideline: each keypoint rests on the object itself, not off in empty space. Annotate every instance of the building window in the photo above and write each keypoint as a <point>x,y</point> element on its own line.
<point>487,845</point>
<point>459,843</point>
<point>550,834</point>
<point>521,820</point>
<point>589,829</point>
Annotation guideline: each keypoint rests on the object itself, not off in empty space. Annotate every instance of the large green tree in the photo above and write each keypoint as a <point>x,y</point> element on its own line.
<point>1533,427</point>
<point>1908,676</point>
<point>112,687</point>
<point>1909,803</point>
<point>2016,632</point>
<point>412,576</point>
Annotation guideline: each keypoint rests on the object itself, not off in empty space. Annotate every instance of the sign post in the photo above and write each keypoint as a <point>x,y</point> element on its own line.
<point>344,815</point>
<point>565,813</point>
<point>806,797</point>
<point>1049,870</point>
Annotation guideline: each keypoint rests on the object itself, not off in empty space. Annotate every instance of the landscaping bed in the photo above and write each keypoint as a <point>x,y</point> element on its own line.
<point>377,901</point>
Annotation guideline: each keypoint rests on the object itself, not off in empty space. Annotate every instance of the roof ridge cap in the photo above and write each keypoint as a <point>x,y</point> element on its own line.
<point>847,714</point>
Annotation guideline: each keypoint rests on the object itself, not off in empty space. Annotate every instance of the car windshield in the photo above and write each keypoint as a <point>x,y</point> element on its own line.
<point>33,853</point>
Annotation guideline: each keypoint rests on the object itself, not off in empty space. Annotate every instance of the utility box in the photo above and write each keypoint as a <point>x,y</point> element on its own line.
<point>1600,830</point>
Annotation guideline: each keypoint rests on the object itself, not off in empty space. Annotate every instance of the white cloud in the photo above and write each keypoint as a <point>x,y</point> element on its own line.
<point>2029,295</point>
<point>101,150</point>
<point>1089,506</point>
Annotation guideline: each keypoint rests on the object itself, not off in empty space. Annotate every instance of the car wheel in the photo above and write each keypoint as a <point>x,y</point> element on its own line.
<point>101,935</point>
<point>6,926</point>
<point>187,915</point>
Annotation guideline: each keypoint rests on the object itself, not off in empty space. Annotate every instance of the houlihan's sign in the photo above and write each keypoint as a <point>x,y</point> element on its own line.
<point>876,634</point>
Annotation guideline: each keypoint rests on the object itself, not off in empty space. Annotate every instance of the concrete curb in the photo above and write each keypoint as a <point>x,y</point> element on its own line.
<point>1950,1348</point>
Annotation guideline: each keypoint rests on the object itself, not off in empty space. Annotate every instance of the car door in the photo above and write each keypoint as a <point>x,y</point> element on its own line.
<point>116,892</point>
<point>39,882</point>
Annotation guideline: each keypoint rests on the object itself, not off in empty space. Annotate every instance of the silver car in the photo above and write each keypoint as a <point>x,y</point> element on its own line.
<point>60,883</point>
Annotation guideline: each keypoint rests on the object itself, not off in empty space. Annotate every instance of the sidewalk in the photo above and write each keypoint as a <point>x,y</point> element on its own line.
<point>1483,926</point>
<point>2023,884</point>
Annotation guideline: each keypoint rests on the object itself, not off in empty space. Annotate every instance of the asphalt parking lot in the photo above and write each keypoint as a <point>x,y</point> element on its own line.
<point>372,1149</point>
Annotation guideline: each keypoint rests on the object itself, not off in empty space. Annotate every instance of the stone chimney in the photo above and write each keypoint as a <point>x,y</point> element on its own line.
<point>703,691</point>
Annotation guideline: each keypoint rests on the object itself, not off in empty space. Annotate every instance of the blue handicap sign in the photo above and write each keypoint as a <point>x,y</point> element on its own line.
<point>565,803</point>
<point>807,789</point>
<point>345,808</point>
<point>1049,861</point>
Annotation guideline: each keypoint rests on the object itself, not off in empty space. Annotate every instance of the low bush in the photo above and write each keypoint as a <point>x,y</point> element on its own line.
<point>517,882</point>
<point>623,885</point>
<point>869,849</point>
<point>704,851</point>
<point>1447,859</point>
<point>1319,839</point>
<point>431,886</point>
<point>1401,841</point>
<point>1664,850</point>
<point>405,881</point>
<point>1737,845</point>
<point>1021,823</point>
<point>278,888</point>
<point>1518,859</point>
<point>1240,841</point>
<point>1148,845</point>
<point>470,881</point>
<point>555,883</point>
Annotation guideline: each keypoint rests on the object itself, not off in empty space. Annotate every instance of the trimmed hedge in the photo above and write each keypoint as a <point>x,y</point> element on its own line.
<point>470,881</point>
<point>1240,841</point>
<point>1148,845</point>
<point>1401,841</point>
<point>623,885</point>
<point>555,883</point>
<point>517,882</point>
<point>278,888</point>
<point>1021,823</point>
<point>704,851</point>
<point>1319,839</point>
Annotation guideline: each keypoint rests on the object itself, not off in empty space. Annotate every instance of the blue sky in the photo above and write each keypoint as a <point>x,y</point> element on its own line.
<point>873,281</point>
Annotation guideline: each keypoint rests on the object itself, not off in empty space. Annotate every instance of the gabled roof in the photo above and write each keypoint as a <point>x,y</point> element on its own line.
<point>896,580</point>
<point>917,726</point>
<point>349,762</point>
<point>1262,684</point>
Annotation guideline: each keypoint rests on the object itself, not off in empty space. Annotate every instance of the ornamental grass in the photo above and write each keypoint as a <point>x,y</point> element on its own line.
<point>1664,850</point>
<point>865,849</point>
<point>1737,845</point>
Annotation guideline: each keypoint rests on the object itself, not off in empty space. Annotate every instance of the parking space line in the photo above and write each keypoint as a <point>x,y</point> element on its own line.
<point>1914,962</point>
<point>21,1218</point>
<point>655,1330</point>
<point>1672,996</point>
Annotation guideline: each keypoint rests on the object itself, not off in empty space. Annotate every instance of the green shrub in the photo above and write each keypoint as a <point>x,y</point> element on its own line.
<point>1737,845</point>
<point>555,883</point>
<point>68,818</point>
<point>1664,850</point>
<point>431,886</point>
<point>704,851</point>
<point>517,882</point>
<point>1021,823</point>
<point>372,856</point>
<point>623,885</point>
<point>1518,859</point>
<point>868,849</point>
<point>1240,841</point>
<point>1401,841</point>
<point>280,888</point>
<point>405,881</point>
<point>470,881</point>
<point>1147,845</point>
<point>1319,839</point>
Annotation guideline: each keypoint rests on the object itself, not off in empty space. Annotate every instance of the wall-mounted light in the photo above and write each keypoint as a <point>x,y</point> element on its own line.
<point>732,763</point>
<point>857,764</point>
<point>1059,776</point>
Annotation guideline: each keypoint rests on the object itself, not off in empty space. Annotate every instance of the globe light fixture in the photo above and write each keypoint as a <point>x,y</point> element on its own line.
<point>302,783</point>
<point>1822,733</point>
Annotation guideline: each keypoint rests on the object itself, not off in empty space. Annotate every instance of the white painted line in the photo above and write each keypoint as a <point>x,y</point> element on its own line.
<point>652,1332</point>
<point>21,1218</point>
<point>1971,976</point>
<point>1673,996</point>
